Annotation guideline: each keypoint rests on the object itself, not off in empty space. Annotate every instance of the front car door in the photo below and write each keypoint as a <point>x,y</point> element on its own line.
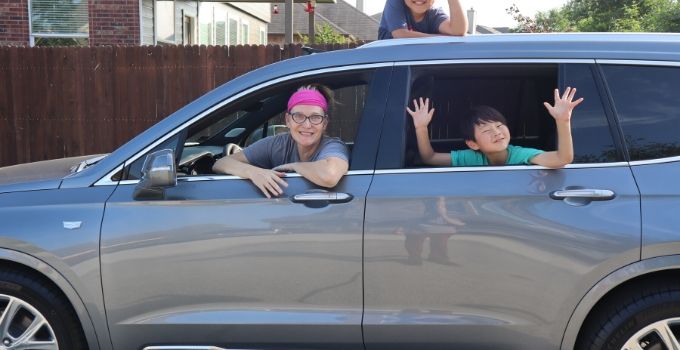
<point>215,263</point>
<point>492,257</point>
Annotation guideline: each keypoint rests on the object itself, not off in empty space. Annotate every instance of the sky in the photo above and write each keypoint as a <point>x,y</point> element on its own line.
<point>489,12</point>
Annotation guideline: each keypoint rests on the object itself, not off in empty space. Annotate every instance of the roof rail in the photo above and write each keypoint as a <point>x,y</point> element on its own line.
<point>529,37</point>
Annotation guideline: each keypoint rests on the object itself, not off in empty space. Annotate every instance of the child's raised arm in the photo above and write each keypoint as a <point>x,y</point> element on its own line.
<point>422,115</point>
<point>561,111</point>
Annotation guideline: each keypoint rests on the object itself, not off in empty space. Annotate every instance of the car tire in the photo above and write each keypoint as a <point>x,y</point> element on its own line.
<point>33,311</point>
<point>649,317</point>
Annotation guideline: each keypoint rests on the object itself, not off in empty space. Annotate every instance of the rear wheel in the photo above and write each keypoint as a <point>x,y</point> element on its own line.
<point>638,320</point>
<point>33,316</point>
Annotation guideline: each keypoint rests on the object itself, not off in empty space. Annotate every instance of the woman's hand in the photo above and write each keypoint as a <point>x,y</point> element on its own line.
<point>421,113</point>
<point>268,181</point>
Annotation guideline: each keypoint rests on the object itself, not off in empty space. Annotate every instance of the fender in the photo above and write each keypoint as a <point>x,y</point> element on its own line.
<point>97,337</point>
<point>613,280</point>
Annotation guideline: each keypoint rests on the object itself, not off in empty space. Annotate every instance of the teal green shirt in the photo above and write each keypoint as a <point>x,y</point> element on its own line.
<point>516,155</point>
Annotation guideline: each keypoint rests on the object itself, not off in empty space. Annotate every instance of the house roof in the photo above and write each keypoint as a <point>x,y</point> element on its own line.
<point>343,17</point>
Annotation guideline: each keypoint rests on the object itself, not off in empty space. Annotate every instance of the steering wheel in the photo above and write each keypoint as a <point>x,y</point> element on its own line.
<point>231,148</point>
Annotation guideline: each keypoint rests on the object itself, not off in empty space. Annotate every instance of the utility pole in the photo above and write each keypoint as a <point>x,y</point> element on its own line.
<point>289,22</point>
<point>311,28</point>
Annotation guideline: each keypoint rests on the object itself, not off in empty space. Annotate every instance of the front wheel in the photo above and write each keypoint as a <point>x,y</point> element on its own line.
<point>33,316</point>
<point>641,320</point>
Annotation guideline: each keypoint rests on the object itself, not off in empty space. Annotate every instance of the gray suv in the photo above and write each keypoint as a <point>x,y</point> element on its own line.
<point>146,248</point>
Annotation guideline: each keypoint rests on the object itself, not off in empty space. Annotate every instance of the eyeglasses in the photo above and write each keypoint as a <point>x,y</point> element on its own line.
<point>300,118</point>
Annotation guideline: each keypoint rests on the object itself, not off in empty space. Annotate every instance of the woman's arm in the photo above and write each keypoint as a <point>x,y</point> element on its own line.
<point>268,181</point>
<point>325,172</point>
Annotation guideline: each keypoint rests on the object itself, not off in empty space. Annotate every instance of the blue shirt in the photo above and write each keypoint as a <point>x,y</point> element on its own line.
<point>397,16</point>
<point>516,155</point>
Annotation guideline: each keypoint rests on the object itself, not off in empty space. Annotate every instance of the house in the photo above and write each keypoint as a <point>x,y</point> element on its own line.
<point>132,22</point>
<point>343,17</point>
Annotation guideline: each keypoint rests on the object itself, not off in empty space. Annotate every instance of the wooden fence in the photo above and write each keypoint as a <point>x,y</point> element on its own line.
<point>61,102</point>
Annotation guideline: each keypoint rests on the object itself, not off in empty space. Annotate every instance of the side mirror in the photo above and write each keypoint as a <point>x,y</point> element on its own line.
<point>158,173</point>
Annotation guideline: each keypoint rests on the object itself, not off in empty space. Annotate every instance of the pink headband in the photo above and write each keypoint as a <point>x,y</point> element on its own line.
<point>308,97</point>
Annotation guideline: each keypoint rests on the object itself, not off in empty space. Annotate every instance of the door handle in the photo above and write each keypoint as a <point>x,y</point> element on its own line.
<point>318,197</point>
<point>584,193</point>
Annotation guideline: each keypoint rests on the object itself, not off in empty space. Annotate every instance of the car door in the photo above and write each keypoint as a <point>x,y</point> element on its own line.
<point>215,263</point>
<point>493,257</point>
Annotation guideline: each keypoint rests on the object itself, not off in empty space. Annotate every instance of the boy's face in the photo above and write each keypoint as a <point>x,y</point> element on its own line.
<point>419,7</point>
<point>490,137</point>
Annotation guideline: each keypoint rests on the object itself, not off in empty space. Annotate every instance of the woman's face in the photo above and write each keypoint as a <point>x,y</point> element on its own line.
<point>306,134</point>
<point>419,7</point>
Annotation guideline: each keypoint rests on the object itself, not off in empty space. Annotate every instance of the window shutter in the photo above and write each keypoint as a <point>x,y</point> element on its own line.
<point>59,17</point>
<point>220,33</point>
<point>233,28</point>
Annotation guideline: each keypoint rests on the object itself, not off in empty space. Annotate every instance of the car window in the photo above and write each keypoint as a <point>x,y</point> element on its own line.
<point>648,107</point>
<point>517,91</point>
<point>259,115</point>
<point>591,132</point>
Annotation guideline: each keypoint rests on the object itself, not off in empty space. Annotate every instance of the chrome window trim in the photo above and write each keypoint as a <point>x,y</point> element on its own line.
<point>495,60</point>
<point>496,168</point>
<point>639,63</point>
<point>232,177</point>
<point>185,347</point>
<point>106,180</point>
<point>655,161</point>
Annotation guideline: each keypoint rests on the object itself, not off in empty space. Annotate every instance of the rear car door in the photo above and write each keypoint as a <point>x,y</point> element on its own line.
<point>493,257</point>
<point>216,264</point>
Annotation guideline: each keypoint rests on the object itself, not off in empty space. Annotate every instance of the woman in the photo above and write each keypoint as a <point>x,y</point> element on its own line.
<point>305,150</point>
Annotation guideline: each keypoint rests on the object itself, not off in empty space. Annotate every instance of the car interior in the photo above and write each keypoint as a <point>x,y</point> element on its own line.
<point>517,91</point>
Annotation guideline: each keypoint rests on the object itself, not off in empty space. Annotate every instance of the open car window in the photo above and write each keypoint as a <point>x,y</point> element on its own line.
<point>239,124</point>
<point>517,91</point>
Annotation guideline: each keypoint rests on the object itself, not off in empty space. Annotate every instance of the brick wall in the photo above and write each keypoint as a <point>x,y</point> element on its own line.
<point>14,22</point>
<point>114,22</point>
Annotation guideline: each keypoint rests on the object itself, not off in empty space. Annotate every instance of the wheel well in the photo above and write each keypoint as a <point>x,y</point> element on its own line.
<point>616,297</point>
<point>54,288</point>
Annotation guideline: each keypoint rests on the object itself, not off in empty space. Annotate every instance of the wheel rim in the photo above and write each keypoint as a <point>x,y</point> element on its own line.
<point>23,327</point>
<point>661,335</point>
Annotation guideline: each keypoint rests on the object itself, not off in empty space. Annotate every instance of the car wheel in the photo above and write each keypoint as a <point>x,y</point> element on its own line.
<point>646,320</point>
<point>34,316</point>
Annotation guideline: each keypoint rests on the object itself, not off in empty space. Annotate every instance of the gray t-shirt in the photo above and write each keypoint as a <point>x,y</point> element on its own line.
<point>397,16</point>
<point>273,151</point>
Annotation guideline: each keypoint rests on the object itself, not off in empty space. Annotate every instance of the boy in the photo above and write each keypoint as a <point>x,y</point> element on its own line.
<point>418,18</point>
<point>487,135</point>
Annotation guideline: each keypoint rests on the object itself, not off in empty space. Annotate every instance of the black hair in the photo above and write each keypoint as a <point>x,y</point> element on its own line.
<point>477,116</point>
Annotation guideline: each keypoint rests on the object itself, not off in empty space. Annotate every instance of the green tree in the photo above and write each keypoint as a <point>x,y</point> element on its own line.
<point>325,34</point>
<point>604,16</point>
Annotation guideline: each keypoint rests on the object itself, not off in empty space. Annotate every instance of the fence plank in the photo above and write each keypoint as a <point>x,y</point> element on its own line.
<point>7,130</point>
<point>20,100</point>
